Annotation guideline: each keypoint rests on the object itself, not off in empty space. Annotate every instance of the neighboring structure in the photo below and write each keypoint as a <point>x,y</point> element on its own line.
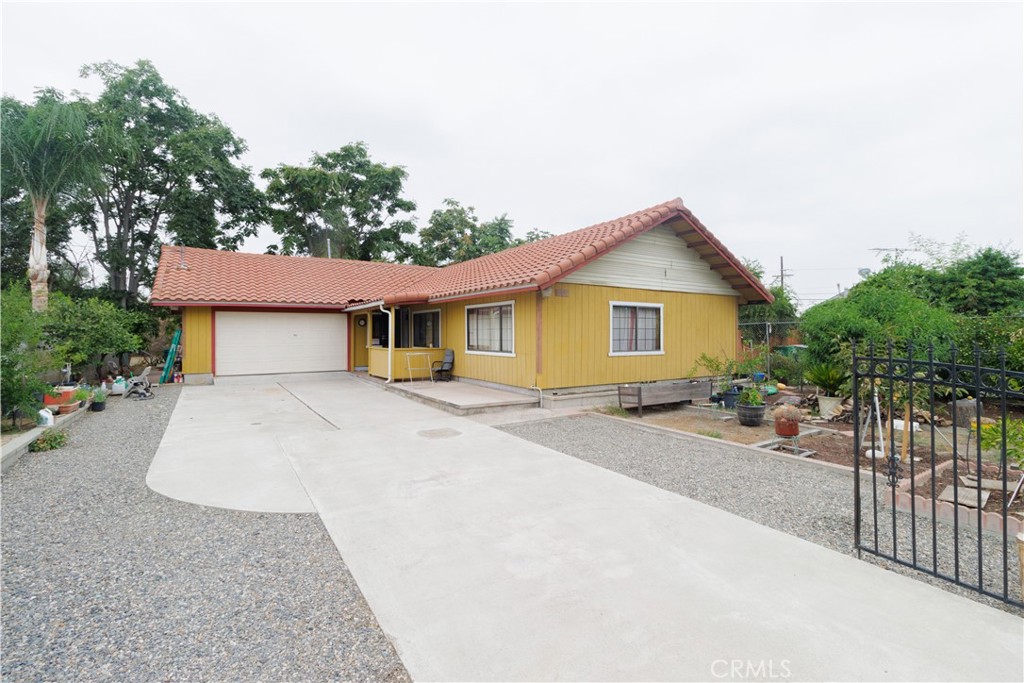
<point>635,299</point>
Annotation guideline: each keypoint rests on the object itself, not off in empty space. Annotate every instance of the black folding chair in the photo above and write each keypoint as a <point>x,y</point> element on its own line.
<point>443,368</point>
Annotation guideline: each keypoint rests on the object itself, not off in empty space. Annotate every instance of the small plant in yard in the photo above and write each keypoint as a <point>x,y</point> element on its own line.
<point>81,394</point>
<point>992,439</point>
<point>751,396</point>
<point>616,411</point>
<point>829,377</point>
<point>99,396</point>
<point>713,433</point>
<point>49,440</point>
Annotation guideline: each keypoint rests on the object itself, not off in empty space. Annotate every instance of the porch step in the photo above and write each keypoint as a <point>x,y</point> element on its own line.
<point>462,398</point>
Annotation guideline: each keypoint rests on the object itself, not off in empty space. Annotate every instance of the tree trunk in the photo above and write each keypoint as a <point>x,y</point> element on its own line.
<point>38,271</point>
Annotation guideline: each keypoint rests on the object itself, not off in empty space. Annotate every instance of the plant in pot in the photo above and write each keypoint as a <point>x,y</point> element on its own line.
<point>750,407</point>
<point>829,378</point>
<point>99,400</point>
<point>787,420</point>
<point>80,396</point>
<point>721,372</point>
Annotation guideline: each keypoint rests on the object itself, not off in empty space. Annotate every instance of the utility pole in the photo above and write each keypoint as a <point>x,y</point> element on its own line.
<point>782,275</point>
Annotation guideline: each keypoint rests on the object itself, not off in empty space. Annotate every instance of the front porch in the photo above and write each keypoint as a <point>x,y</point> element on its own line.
<point>464,398</point>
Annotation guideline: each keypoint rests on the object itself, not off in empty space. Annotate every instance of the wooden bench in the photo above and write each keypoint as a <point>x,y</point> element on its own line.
<point>662,393</point>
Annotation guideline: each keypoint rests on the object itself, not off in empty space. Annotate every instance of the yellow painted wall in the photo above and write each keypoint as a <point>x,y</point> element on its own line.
<point>575,342</point>
<point>518,370</point>
<point>197,340</point>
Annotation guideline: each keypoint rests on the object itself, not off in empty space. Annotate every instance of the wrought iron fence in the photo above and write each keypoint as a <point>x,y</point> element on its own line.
<point>951,464</point>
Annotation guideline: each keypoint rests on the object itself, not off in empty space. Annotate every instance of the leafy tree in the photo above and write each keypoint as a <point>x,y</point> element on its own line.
<point>81,332</point>
<point>781,311</point>
<point>46,151</point>
<point>454,234</point>
<point>168,173</point>
<point>535,235</point>
<point>343,204</point>
<point>22,362</point>
<point>988,281</point>
<point>869,314</point>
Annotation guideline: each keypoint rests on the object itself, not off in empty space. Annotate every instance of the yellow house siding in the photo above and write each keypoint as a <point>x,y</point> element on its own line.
<point>197,340</point>
<point>518,370</point>
<point>576,329</point>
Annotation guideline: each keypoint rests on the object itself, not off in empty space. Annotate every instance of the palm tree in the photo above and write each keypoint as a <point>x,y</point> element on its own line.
<point>45,151</point>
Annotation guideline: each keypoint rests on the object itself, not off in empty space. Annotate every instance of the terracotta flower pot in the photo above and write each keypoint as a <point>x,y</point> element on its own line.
<point>68,408</point>
<point>784,427</point>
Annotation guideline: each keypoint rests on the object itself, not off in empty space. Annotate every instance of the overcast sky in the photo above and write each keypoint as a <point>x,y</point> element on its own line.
<point>816,132</point>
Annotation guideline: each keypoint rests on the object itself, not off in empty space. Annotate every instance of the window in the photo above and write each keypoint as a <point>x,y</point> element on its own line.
<point>490,328</point>
<point>636,328</point>
<point>426,329</point>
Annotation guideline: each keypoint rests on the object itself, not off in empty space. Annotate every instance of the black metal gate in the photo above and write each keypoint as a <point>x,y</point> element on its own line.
<point>932,433</point>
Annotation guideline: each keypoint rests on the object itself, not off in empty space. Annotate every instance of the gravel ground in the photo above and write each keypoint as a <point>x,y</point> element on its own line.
<point>105,579</point>
<point>808,501</point>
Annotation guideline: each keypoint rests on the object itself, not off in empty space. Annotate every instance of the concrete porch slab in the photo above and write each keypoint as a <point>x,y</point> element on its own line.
<point>463,398</point>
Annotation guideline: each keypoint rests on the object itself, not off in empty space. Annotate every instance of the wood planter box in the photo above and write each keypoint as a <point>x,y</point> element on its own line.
<point>640,395</point>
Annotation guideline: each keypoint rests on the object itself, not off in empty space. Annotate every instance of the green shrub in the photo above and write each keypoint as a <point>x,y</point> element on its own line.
<point>81,394</point>
<point>870,314</point>
<point>829,377</point>
<point>82,331</point>
<point>992,439</point>
<point>99,396</point>
<point>22,361</point>
<point>788,370</point>
<point>50,439</point>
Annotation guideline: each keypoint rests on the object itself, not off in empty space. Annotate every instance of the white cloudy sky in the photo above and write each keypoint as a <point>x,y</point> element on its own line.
<point>813,131</point>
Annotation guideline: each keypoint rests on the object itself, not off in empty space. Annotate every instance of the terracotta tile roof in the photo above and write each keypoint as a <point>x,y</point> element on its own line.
<point>232,277</point>
<point>229,277</point>
<point>542,263</point>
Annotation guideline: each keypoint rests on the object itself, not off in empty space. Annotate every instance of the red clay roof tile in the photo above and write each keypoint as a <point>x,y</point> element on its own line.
<point>231,277</point>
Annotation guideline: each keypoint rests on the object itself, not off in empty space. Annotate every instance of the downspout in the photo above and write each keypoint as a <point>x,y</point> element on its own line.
<point>391,339</point>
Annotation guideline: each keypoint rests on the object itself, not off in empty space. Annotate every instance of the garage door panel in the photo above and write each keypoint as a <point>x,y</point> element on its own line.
<point>253,343</point>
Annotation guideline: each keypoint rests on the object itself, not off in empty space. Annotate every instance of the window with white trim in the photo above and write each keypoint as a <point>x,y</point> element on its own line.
<point>636,328</point>
<point>490,328</point>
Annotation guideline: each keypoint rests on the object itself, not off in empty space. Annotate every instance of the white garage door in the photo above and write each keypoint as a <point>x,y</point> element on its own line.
<point>268,343</point>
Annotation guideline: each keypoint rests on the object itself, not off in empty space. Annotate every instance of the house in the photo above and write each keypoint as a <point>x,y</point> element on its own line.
<point>638,298</point>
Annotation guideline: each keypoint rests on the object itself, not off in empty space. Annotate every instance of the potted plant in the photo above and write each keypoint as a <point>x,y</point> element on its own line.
<point>99,400</point>
<point>80,396</point>
<point>750,407</point>
<point>829,378</point>
<point>787,420</point>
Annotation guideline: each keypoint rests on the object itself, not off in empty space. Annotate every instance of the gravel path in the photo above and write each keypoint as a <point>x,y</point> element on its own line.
<point>808,501</point>
<point>105,579</point>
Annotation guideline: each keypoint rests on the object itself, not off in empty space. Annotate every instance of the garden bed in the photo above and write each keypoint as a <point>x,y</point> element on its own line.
<point>944,478</point>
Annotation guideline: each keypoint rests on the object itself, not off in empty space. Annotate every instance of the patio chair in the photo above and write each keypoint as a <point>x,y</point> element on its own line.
<point>443,368</point>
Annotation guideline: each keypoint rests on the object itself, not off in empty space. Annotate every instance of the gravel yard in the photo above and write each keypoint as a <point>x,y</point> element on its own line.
<point>105,579</point>
<point>809,501</point>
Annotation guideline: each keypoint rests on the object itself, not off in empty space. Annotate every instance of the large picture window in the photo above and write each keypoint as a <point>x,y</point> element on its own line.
<point>426,329</point>
<point>490,328</point>
<point>636,328</point>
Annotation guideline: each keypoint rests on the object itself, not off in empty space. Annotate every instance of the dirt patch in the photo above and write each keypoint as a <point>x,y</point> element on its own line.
<point>716,424</point>
<point>995,499</point>
<point>9,431</point>
<point>838,449</point>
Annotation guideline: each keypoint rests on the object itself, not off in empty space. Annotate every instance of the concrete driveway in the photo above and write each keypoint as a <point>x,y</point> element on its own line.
<point>485,557</point>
